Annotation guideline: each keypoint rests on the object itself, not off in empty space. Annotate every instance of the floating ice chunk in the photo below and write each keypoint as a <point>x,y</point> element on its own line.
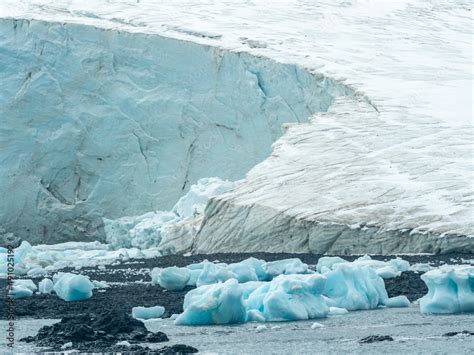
<point>244,272</point>
<point>387,272</point>
<point>220,303</point>
<point>194,275</point>
<point>261,328</point>
<point>174,316</point>
<point>328,262</point>
<point>336,311</point>
<point>400,264</point>
<point>123,343</point>
<point>258,266</point>
<point>20,291</point>
<point>100,284</point>
<point>450,290</point>
<point>290,297</point>
<point>355,288</point>
<point>172,278</point>
<point>198,266</point>
<point>316,325</point>
<point>72,287</point>
<point>397,302</point>
<point>36,272</point>
<point>421,267</point>
<point>285,266</point>
<point>46,286</point>
<point>29,284</point>
<point>214,273</point>
<point>147,312</point>
<point>66,346</point>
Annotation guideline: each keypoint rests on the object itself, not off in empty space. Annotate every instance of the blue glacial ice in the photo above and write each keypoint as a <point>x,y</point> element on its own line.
<point>72,287</point>
<point>214,273</point>
<point>46,286</point>
<point>22,289</point>
<point>220,303</point>
<point>147,312</point>
<point>172,278</point>
<point>355,288</point>
<point>207,273</point>
<point>450,290</point>
<point>166,229</point>
<point>287,298</point>
<point>385,269</point>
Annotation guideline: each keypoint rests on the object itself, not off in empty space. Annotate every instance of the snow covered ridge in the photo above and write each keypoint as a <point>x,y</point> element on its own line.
<point>99,123</point>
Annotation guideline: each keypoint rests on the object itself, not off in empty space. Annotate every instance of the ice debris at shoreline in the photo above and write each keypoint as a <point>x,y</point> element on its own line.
<point>288,297</point>
<point>208,273</point>
<point>450,290</point>
<point>72,287</point>
<point>159,228</point>
<point>146,313</point>
<point>41,260</point>
<point>385,269</point>
<point>22,289</point>
<point>147,236</point>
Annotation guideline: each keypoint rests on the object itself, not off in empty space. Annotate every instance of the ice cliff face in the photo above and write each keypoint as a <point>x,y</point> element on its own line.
<point>99,123</point>
<point>133,117</point>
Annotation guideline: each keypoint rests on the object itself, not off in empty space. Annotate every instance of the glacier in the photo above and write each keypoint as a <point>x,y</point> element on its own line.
<point>116,110</point>
<point>104,124</point>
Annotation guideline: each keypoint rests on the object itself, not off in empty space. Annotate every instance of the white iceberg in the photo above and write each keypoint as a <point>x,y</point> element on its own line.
<point>146,313</point>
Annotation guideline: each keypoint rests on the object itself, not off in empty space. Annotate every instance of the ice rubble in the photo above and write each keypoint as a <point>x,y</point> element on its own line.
<point>146,313</point>
<point>208,273</point>
<point>149,235</point>
<point>252,269</point>
<point>385,269</point>
<point>288,297</point>
<point>450,290</point>
<point>171,230</point>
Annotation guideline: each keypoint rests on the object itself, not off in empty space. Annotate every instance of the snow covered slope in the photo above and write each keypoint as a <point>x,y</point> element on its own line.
<point>388,171</point>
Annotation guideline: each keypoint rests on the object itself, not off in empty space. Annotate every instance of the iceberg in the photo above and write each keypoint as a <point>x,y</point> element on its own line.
<point>172,278</point>
<point>385,269</point>
<point>354,288</point>
<point>220,303</point>
<point>20,291</point>
<point>285,266</point>
<point>46,286</point>
<point>146,313</point>
<point>72,287</point>
<point>289,297</point>
<point>450,290</point>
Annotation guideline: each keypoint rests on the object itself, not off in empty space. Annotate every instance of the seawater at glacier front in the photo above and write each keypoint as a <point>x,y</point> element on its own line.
<point>102,123</point>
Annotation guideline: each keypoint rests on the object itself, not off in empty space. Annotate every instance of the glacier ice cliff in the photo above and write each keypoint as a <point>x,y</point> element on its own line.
<point>99,123</point>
